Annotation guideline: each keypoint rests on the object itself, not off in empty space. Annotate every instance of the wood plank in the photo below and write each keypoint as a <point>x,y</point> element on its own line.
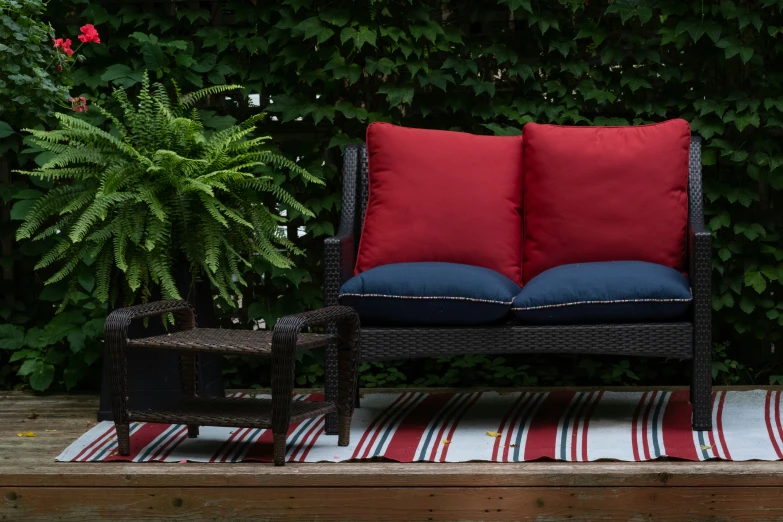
<point>45,473</point>
<point>445,503</point>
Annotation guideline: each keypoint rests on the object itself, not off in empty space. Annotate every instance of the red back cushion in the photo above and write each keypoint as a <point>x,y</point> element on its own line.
<point>605,194</point>
<point>443,196</point>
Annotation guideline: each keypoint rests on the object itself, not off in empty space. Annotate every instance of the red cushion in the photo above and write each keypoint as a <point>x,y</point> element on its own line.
<point>443,196</point>
<point>605,194</point>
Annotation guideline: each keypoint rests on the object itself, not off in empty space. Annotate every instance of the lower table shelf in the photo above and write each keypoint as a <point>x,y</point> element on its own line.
<point>228,411</point>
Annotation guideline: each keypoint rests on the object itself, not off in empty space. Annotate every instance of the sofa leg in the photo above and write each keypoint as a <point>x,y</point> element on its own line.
<point>701,396</point>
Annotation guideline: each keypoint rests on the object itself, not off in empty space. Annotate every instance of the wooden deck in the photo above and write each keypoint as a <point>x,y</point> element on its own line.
<point>34,487</point>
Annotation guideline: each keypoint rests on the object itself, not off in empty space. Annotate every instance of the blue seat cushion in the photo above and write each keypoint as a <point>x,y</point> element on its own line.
<point>429,294</point>
<point>613,291</point>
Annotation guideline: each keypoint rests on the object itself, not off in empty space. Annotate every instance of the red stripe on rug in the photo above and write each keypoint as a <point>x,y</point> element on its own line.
<point>140,439</point>
<point>575,429</point>
<point>237,444</point>
<point>542,434</point>
<point>385,413</point>
<point>710,434</point>
<point>767,417</point>
<point>458,404</point>
<point>587,425</point>
<point>634,425</point>
<point>390,415</point>
<point>676,427</point>
<point>170,441</point>
<point>262,449</point>
<point>645,444</point>
<point>777,415</point>
<point>96,443</point>
<point>310,445</point>
<point>517,405</point>
<point>175,442</point>
<point>303,441</point>
<point>456,422</point>
<point>223,447</point>
<point>719,427</point>
<point>514,423</point>
<point>407,436</point>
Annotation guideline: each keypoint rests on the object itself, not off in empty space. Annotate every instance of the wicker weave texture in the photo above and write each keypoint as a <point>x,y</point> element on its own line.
<point>656,340</point>
<point>229,342</point>
<point>229,411</point>
<point>687,340</point>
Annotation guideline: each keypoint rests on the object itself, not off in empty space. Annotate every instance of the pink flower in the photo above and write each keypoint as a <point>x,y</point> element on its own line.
<point>89,34</point>
<point>79,104</point>
<point>64,46</point>
<point>59,67</point>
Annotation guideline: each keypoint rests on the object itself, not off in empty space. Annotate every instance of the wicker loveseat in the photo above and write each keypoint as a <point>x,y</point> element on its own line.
<point>686,337</point>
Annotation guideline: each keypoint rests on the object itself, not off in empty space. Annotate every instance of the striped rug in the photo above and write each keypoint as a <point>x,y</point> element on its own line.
<point>481,426</point>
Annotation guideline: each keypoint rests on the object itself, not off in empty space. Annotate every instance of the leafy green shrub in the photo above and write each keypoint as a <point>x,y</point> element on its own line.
<point>325,70</point>
<point>156,190</point>
<point>29,90</point>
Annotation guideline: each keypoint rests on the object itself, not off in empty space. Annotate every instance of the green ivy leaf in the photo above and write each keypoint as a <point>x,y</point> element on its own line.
<point>746,305</point>
<point>634,82</point>
<point>513,5</point>
<point>502,54</point>
<point>503,130</point>
<point>335,16</point>
<point>397,95</point>
<point>480,86</point>
<point>21,208</point>
<point>755,280</point>
<point>312,27</point>
<point>436,78</point>
<point>720,221</point>
<point>76,340</point>
<point>41,378</point>
<point>360,37</point>
<point>11,337</point>
<point>153,55</point>
<point>205,63</point>
<point>5,130</point>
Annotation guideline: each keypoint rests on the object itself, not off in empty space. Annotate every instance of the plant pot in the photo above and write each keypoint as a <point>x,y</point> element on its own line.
<point>153,375</point>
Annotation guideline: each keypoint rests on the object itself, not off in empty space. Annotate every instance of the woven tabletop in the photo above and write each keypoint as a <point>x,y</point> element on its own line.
<point>229,411</point>
<point>233,342</point>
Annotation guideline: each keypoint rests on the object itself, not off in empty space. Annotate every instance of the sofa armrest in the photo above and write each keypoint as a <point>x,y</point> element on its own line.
<point>699,238</point>
<point>340,250</point>
<point>700,261</point>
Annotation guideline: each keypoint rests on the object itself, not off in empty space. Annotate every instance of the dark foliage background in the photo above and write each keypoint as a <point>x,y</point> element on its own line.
<point>324,70</point>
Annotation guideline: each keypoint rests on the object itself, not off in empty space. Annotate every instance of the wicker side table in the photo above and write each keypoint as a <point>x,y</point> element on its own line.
<point>281,346</point>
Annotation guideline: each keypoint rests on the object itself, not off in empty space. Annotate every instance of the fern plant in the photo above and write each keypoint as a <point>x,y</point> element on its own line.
<point>159,189</point>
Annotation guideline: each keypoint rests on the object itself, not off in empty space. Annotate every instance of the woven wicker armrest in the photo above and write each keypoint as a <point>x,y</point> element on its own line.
<point>116,327</point>
<point>699,239</point>
<point>284,341</point>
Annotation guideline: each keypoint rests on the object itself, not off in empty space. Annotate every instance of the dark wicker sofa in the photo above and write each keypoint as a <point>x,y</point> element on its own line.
<point>687,339</point>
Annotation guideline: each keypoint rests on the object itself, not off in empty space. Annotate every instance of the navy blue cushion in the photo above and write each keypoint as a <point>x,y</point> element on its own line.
<point>429,294</point>
<point>611,291</point>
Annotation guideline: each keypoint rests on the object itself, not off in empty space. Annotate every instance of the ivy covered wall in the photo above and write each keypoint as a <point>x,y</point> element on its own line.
<point>324,70</point>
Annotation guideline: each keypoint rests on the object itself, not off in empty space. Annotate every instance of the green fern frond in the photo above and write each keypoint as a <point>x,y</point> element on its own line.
<point>159,187</point>
<point>191,99</point>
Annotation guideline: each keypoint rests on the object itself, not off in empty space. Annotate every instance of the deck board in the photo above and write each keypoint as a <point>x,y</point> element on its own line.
<point>34,487</point>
